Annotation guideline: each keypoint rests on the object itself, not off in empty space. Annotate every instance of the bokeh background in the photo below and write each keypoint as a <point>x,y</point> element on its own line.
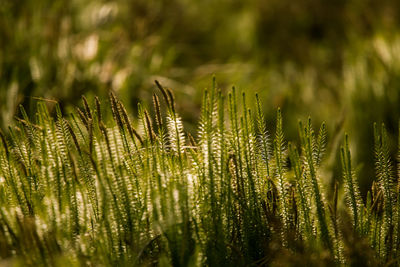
<point>335,60</point>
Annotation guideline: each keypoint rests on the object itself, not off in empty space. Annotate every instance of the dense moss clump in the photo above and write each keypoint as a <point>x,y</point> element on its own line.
<point>87,189</point>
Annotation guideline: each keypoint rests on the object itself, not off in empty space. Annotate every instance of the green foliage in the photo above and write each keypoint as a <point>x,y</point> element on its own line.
<point>86,190</point>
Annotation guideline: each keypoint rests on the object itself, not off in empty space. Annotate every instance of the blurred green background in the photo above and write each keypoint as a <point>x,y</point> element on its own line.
<point>337,61</point>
